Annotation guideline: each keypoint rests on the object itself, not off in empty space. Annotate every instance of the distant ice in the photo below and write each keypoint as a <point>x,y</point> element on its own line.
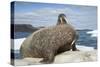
<point>93,33</point>
<point>17,43</point>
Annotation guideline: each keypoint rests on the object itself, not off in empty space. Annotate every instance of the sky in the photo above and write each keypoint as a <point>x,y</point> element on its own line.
<point>46,14</point>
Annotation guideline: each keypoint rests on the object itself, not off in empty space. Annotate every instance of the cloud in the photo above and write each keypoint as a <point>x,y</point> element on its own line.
<point>44,15</point>
<point>80,17</point>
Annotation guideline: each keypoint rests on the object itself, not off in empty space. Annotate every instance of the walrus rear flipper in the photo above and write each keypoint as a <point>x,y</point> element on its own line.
<point>74,43</point>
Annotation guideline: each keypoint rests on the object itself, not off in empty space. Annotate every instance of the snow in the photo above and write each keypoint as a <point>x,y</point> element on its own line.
<point>84,48</point>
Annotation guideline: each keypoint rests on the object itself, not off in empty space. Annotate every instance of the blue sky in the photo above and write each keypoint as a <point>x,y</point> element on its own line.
<point>45,14</point>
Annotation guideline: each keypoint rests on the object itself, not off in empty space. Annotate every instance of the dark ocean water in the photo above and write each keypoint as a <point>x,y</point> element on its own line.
<point>84,40</point>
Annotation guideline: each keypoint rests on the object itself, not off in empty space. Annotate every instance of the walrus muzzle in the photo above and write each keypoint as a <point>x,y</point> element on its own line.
<point>62,19</point>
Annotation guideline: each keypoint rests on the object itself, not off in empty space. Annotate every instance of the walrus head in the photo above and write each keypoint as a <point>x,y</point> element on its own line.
<point>61,19</point>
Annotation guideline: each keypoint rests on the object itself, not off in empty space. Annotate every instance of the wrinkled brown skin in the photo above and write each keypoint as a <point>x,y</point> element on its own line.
<point>48,42</point>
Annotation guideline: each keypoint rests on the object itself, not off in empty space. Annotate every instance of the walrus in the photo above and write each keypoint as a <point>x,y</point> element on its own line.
<point>47,42</point>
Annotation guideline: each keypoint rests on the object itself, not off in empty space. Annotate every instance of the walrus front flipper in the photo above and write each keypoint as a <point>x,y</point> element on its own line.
<point>73,43</point>
<point>74,48</point>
